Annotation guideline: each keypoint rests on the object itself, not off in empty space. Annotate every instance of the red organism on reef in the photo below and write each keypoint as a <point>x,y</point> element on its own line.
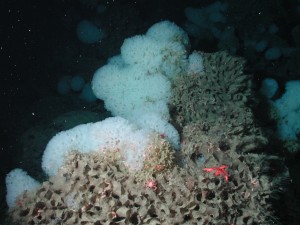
<point>221,170</point>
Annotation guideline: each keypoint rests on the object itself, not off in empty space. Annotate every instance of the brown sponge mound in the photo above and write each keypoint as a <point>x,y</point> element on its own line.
<point>99,189</point>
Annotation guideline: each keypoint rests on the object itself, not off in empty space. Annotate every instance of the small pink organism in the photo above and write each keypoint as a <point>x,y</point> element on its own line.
<point>151,184</point>
<point>221,170</point>
<point>163,135</point>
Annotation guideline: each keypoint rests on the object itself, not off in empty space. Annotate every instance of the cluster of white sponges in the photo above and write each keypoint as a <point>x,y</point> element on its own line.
<point>287,107</point>
<point>137,83</point>
<point>136,88</point>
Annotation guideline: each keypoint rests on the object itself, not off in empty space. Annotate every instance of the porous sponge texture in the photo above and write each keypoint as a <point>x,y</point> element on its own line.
<point>92,189</point>
<point>213,94</point>
<point>110,134</point>
<point>153,121</point>
<point>218,98</point>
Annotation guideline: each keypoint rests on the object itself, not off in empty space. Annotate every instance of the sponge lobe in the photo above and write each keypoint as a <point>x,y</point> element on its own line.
<point>17,182</point>
<point>142,51</point>
<point>114,133</point>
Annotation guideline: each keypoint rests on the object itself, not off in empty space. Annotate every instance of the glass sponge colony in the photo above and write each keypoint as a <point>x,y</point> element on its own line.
<point>93,189</point>
<point>124,170</point>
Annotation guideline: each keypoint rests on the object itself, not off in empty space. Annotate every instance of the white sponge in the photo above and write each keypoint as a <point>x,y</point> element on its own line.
<point>167,31</point>
<point>139,80</point>
<point>110,134</point>
<point>153,121</point>
<point>17,182</point>
<point>128,90</point>
<point>142,51</point>
<point>288,109</point>
<point>195,63</point>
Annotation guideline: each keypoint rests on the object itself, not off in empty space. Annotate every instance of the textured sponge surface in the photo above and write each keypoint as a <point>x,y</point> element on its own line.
<point>138,81</point>
<point>113,133</point>
<point>17,182</point>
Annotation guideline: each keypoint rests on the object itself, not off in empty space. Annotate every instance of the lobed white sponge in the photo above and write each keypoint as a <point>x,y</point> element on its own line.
<point>127,90</point>
<point>195,63</point>
<point>288,107</point>
<point>110,134</point>
<point>138,81</point>
<point>143,51</point>
<point>17,182</point>
<point>168,32</point>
